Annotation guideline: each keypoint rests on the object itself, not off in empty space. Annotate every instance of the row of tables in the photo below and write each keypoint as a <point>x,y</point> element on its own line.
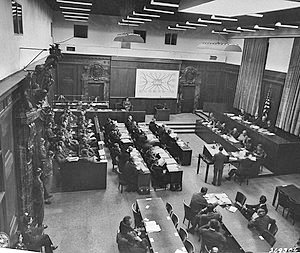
<point>179,147</point>
<point>81,174</point>
<point>283,154</point>
<point>167,240</point>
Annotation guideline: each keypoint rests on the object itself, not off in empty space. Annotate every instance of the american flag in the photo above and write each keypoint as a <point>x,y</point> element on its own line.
<point>267,104</point>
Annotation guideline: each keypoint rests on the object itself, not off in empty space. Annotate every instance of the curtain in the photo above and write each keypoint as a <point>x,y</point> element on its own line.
<point>251,72</point>
<point>288,117</point>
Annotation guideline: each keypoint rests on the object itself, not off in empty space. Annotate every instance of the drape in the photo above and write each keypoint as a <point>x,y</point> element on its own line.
<point>250,77</point>
<point>288,117</point>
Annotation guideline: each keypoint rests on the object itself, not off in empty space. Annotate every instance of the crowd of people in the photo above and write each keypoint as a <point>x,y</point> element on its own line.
<point>206,220</point>
<point>248,166</point>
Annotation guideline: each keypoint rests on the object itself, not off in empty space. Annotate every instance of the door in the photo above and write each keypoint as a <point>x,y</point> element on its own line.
<point>188,93</point>
<point>96,90</point>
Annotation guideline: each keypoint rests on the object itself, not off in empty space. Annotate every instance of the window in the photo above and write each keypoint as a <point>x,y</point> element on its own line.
<point>80,31</point>
<point>171,38</point>
<point>141,33</point>
<point>17,17</point>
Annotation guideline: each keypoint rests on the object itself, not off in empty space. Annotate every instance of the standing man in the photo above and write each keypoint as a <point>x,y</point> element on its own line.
<point>38,198</point>
<point>219,160</point>
<point>198,202</point>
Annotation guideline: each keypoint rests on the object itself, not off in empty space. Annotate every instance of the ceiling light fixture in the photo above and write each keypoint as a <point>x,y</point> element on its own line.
<point>140,19</point>
<point>195,24</point>
<point>129,37</point>
<point>159,11</point>
<point>76,20</point>
<point>128,24</point>
<point>264,28</point>
<point>145,15</point>
<point>75,13</point>
<point>230,31</point>
<point>176,28</point>
<point>74,8</point>
<point>132,21</point>
<point>164,4</point>
<point>255,15</point>
<point>74,2</point>
<point>218,32</point>
<point>245,29</point>
<point>209,21</point>
<point>79,17</point>
<point>223,18</point>
<point>185,27</point>
<point>278,24</point>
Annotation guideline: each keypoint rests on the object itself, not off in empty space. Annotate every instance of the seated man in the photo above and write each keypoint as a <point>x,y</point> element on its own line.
<point>88,156</point>
<point>243,136</point>
<point>34,238</point>
<point>211,119</point>
<point>270,126</point>
<point>243,115</point>
<point>129,240</point>
<point>205,215</point>
<point>260,154</point>
<point>251,209</point>
<point>211,237</point>
<point>263,123</point>
<point>248,167</point>
<point>256,120</point>
<point>262,222</point>
<point>198,202</point>
<point>127,104</point>
<point>130,173</point>
<point>234,133</point>
<point>249,144</point>
<point>152,126</point>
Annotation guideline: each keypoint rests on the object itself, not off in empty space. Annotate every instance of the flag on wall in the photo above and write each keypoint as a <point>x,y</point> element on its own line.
<point>267,104</point>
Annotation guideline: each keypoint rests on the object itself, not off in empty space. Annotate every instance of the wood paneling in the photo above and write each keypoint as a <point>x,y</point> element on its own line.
<point>123,79</point>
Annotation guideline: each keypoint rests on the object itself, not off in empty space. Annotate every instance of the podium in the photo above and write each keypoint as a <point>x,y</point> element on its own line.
<point>162,114</point>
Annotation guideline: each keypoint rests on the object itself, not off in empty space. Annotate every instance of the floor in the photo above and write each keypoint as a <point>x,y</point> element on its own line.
<point>82,222</point>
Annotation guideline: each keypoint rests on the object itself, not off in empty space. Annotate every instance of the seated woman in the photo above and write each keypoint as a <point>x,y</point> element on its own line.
<point>129,240</point>
<point>127,104</point>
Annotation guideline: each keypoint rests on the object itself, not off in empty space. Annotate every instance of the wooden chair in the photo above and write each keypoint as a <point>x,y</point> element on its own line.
<point>137,216</point>
<point>187,214</point>
<point>240,200</point>
<point>122,181</point>
<point>175,219</point>
<point>189,246</point>
<point>169,208</point>
<point>269,237</point>
<point>283,201</point>
<point>183,234</point>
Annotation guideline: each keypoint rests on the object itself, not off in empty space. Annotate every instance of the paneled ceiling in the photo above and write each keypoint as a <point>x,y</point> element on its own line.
<point>283,11</point>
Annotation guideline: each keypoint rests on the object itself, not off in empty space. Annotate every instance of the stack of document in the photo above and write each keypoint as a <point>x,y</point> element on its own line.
<point>151,227</point>
<point>223,199</point>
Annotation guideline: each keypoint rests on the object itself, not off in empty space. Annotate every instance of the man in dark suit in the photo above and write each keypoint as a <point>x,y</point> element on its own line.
<point>262,222</point>
<point>211,237</point>
<point>251,209</point>
<point>38,198</point>
<point>198,202</point>
<point>219,160</point>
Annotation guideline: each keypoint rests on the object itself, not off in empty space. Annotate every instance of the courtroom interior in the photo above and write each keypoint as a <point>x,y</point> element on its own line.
<point>150,126</point>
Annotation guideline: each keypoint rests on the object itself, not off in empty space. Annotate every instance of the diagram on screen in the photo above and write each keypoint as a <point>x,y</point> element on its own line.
<point>156,83</point>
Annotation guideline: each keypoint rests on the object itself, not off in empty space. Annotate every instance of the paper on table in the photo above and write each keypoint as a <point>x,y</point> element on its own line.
<point>232,209</point>
<point>151,226</point>
<point>179,251</point>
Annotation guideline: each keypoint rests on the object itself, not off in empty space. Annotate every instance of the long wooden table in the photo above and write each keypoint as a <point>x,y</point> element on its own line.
<point>247,239</point>
<point>283,155</point>
<point>167,240</point>
<point>292,191</point>
<point>104,114</point>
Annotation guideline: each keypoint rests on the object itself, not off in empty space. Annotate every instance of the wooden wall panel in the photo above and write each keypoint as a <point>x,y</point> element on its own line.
<point>123,79</point>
